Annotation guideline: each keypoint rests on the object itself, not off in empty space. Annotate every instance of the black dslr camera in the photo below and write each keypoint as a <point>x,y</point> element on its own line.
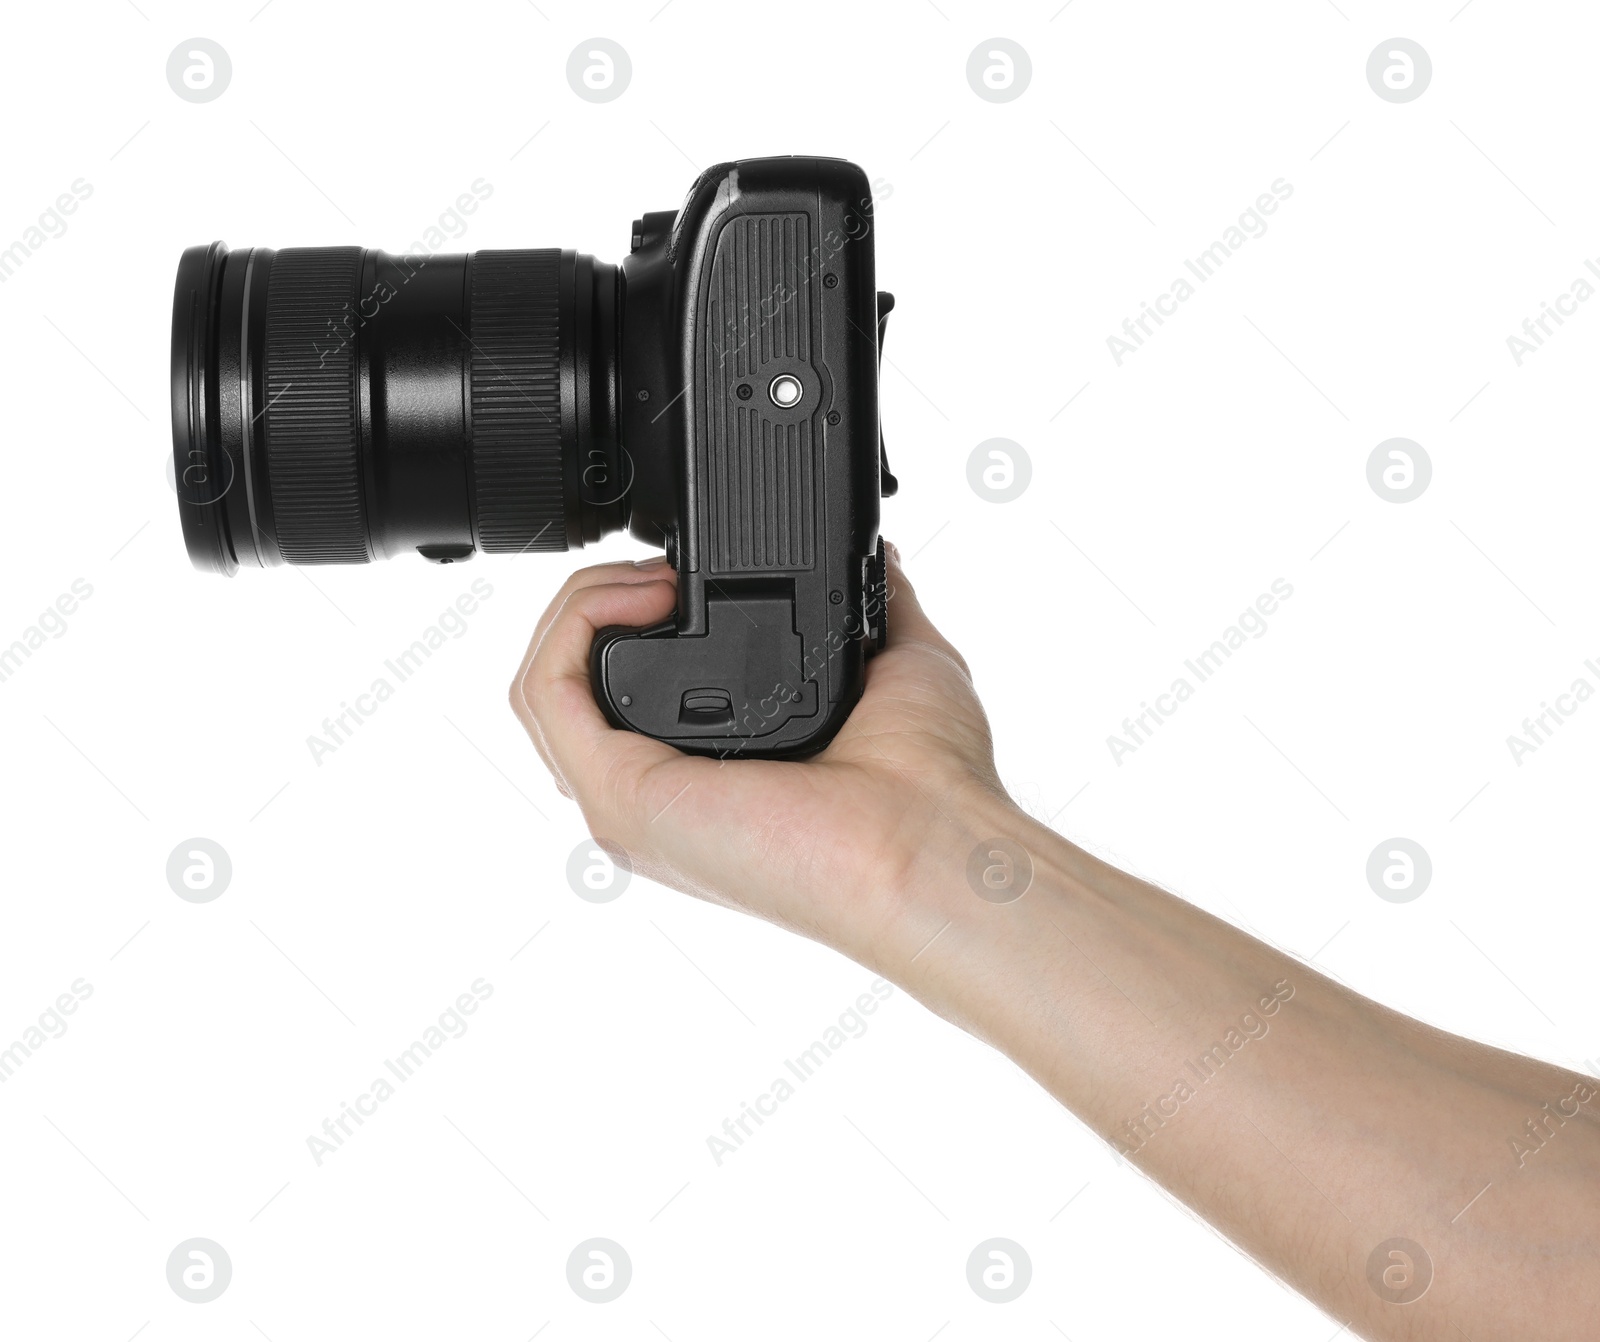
<point>716,394</point>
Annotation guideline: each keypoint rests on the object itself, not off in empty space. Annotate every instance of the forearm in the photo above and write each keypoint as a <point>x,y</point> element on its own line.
<point>1308,1123</point>
<point>1311,1125</point>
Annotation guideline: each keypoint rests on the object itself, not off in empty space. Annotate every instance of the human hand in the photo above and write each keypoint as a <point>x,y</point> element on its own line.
<point>823,846</point>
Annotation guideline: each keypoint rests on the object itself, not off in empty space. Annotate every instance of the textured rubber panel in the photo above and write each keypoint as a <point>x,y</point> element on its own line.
<point>762,456</point>
<point>515,317</point>
<point>313,456</point>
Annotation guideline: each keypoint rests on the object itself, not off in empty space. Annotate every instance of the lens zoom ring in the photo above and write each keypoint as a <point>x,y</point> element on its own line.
<point>313,458</point>
<point>516,401</point>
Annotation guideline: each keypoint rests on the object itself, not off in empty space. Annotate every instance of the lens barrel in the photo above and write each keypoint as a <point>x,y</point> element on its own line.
<point>334,405</point>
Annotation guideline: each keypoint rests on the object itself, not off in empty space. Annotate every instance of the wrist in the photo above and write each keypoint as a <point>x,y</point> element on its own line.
<point>963,894</point>
<point>1004,928</point>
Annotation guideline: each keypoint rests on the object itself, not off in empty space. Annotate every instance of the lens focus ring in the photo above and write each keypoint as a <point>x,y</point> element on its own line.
<point>516,401</point>
<point>312,450</point>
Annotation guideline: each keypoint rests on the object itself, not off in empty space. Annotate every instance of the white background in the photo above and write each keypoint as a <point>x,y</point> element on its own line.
<point>369,891</point>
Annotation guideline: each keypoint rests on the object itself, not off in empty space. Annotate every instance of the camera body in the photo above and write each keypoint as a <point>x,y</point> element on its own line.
<point>749,416</point>
<point>716,394</point>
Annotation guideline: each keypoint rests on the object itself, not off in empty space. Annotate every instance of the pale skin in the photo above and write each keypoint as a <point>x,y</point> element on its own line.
<point>1328,1124</point>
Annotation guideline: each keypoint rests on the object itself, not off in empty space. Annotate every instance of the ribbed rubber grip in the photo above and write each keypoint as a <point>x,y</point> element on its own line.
<point>313,456</point>
<point>515,313</point>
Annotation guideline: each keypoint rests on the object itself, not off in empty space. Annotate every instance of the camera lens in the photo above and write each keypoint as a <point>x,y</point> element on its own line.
<point>335,405</point>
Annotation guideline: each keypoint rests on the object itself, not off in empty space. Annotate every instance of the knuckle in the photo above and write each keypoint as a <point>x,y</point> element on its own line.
<point>530,697</point>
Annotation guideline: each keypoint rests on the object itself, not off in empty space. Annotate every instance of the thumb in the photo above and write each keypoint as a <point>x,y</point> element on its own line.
<point>908,622</point>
